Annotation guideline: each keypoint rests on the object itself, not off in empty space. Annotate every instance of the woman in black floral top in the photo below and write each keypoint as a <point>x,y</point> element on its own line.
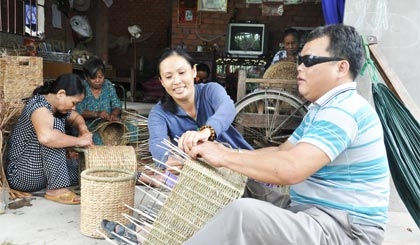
<point>38,142</point>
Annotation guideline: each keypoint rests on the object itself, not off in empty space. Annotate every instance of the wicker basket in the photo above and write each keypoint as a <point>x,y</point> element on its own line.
<point>112,133</point>
<point>123,157</point>
<point>283,70</point>
<point>200,192</point>
<point>19,76</point>
<point>104,193</point>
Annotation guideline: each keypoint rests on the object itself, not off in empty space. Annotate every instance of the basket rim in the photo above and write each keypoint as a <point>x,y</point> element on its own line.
<point>86,174</point>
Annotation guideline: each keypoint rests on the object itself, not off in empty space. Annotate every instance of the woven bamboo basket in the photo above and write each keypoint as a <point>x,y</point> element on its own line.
<point>19,76</point>
<point>200,192</point>
<point>123,157</point>
<point>104,193</point>
<point>283,70</point>
<point>112,133</point>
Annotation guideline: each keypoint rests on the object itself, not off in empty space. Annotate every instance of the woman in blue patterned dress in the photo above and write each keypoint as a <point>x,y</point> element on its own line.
<point>101,100</point>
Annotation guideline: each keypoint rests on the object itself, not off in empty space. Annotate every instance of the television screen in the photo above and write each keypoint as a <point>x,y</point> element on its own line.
<point>246,39</point>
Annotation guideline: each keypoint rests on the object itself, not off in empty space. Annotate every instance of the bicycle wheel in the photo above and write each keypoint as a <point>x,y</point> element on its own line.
<point>267,118</point>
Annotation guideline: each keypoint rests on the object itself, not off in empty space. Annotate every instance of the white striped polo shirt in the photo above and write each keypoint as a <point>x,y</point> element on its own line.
<point>346,127</point>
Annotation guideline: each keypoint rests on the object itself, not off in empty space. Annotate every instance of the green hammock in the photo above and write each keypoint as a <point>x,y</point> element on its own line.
<point>402,141</point>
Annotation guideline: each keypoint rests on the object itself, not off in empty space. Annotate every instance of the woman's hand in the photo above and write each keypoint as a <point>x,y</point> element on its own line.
<point>71,154</point>
<point>103,115</point>
<point>191,138</point>
<point>174,165</point>
<point>85,139</point>
<point>113,117</point>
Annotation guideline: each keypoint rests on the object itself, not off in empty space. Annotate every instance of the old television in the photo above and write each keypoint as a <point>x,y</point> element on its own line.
<point>246,40</point>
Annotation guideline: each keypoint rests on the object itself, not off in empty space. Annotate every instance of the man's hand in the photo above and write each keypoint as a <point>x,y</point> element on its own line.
<point>174,165</point>
<point>211,152</point>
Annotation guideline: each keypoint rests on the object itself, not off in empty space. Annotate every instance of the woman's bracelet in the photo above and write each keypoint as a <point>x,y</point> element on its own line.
<point>212,136</point>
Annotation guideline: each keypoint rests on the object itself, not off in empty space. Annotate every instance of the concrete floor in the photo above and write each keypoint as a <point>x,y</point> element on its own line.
<point>46,222</point>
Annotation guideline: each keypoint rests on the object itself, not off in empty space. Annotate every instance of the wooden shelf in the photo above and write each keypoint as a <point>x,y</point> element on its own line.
<point>51,70</point>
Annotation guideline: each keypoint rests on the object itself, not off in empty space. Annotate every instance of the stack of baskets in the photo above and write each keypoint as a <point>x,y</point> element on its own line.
<point>107,185</point>
<point>19,76</point>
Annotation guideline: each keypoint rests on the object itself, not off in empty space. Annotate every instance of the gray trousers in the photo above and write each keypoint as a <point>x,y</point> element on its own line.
<point>249,221</point>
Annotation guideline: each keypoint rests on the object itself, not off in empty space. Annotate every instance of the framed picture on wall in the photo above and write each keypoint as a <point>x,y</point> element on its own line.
<point>212,5</point>
<point>187,12</point>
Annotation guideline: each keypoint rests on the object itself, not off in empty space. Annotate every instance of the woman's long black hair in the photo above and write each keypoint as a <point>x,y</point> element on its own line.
<point>71,83</point>
<point>167,101</point>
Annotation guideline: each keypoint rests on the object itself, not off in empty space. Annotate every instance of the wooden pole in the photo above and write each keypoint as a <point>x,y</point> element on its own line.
<point>391,79</point>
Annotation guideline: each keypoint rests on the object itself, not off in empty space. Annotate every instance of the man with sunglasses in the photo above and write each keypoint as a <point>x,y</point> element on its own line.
<point>335,161</point>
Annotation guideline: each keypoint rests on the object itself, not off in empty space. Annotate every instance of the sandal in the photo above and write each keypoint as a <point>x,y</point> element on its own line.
<point>68,197</point>
<point>117,231</point>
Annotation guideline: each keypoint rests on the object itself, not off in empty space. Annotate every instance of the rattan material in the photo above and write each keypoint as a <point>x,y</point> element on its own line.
<point>112,133</point>
<point>123,157</point>
<point>104,193</point>
<point>19,76</point>
<point>200,192</point>
<point>283,70</point>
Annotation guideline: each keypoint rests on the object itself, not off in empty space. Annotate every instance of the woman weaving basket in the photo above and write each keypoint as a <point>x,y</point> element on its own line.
<point>37,154</point>
<point>101,104</point>
<point>188,113</point>
<point>101,101</point>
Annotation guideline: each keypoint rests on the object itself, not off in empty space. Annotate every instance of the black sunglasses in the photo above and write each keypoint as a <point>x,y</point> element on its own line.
<point>311,60</point>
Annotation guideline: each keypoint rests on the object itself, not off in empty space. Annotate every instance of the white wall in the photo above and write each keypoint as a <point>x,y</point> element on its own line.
<point>396,24</point>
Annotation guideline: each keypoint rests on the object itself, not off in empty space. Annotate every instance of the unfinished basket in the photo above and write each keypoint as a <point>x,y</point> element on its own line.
<point>104,193</point>
<point>200,192</point>
<point>123,157</point>
<point>112,133</point>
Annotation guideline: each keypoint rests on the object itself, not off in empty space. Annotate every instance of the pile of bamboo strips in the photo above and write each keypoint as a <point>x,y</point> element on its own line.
<point>141,136</point>
<point>7,117</point>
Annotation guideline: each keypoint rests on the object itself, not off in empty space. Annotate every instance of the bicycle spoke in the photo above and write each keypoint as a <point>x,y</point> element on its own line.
<point>267,118</point>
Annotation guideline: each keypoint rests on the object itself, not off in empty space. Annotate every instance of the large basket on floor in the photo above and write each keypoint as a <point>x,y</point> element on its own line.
<point>200,192</point>
<point>108,156</point>
<point>104,193</point>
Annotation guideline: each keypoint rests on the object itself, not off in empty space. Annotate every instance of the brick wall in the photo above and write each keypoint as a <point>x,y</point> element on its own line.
<point>161,18</point>
<point>151,16</point>
<point>213,26</point>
